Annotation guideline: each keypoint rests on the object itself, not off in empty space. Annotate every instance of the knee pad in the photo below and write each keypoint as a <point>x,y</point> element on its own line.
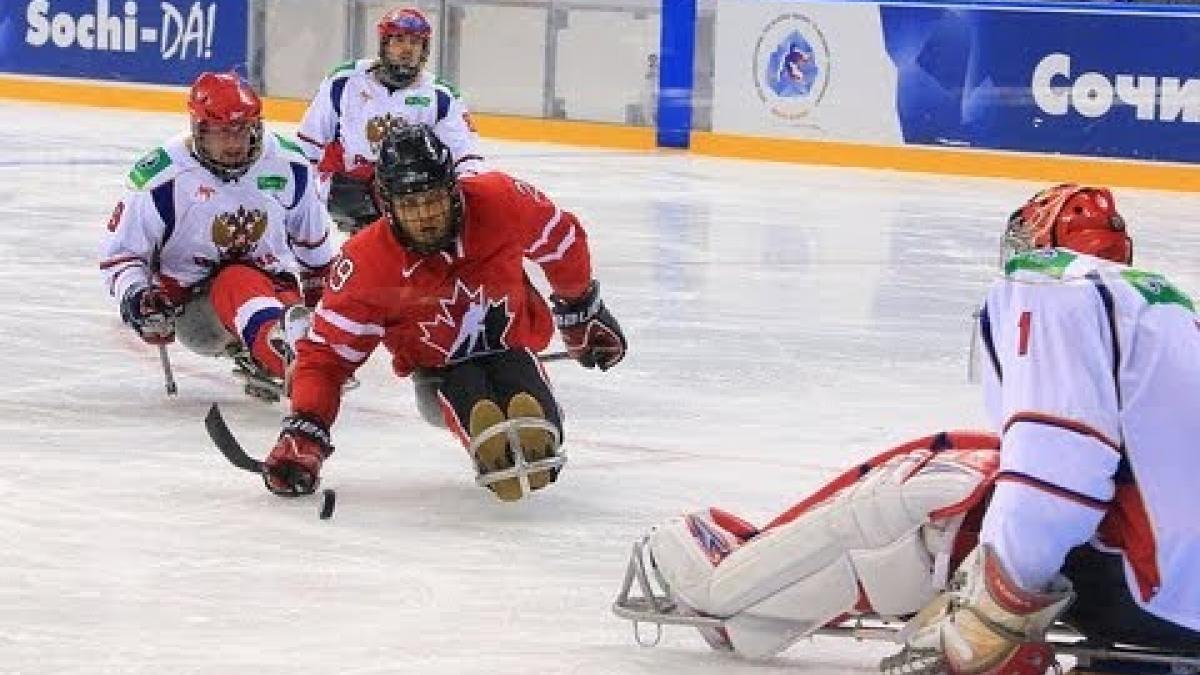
<point>200,331</point>
<point>425,386</point>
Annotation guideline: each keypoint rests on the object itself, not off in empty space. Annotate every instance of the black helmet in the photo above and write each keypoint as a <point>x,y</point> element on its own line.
<point>412,160</point>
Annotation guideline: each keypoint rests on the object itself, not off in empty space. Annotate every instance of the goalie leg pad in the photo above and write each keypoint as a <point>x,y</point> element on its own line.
<point>896,578</point>
<point>771,625</point>
<point>785,556</point>
<point>771,593</point>
<point>686,551</point>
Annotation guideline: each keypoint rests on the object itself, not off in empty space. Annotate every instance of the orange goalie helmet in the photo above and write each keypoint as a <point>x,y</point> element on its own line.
<point>1081,218</point>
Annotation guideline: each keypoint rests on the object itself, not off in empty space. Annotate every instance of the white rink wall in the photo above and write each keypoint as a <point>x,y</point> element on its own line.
<point>784,321</point>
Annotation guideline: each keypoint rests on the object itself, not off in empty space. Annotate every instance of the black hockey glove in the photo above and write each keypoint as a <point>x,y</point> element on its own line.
<point>592,336</point>
<point>150,312</point>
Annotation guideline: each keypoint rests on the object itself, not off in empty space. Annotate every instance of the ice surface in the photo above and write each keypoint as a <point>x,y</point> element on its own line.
<point>783,321</point>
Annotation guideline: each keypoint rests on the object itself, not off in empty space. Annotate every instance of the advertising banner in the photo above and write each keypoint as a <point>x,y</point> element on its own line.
<point>803,70</point>
<point>154,41</point>
<point>1092,81</point>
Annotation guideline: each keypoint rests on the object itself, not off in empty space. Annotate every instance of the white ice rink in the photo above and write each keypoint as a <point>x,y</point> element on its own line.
<point>783,322</point>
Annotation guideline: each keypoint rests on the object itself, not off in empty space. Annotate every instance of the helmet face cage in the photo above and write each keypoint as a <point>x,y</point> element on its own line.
<point>416,170</point>
<point>202,133</point>
<point>396,23</point>
<point>1083,219</point>
<point>224,106</point>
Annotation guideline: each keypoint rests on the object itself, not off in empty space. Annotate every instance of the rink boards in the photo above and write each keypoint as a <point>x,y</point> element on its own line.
<point>1101,93</point>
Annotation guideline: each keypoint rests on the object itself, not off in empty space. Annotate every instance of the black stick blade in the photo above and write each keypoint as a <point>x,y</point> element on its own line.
<point>219,432</point>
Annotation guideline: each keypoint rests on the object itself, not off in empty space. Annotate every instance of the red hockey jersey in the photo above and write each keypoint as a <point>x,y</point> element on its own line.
<point>443,308</point>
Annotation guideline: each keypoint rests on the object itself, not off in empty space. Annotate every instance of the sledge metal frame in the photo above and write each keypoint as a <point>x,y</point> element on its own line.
<point>521,468</point>
<point>651,607</point>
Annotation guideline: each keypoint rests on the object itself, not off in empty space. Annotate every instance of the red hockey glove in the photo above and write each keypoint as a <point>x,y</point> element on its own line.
<point>150,312</point>
<point>332,158</point>
<point>294,465</point>
<point>312,285</point>
<point>592,336</point>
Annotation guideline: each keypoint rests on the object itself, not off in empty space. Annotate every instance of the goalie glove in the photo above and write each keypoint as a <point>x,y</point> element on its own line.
<point>591,333</point>
<point>151,314</point>
<point>294,465</point>
<point>986,625</point>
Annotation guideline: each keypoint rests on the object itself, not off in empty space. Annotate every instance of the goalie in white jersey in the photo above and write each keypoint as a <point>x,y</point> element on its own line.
<point>1095,459</point>
<point>1093,380</point>
<point>220,232</point>
<point>354,106</point>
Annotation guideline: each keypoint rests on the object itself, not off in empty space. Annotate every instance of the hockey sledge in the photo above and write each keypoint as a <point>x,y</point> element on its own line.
<point>521,468</point>
<point>257,382</point>
<point>262,385</point>
<point>640,603</point>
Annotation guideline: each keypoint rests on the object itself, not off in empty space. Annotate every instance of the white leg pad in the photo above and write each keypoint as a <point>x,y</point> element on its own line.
<point>874,537</point>
<point>769,626</point>
<point>905,560</point>
<point>684,564</point>
<point>779,559</point>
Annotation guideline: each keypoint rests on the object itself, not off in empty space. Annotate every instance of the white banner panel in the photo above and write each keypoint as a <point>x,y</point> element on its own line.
<point>804,70</point>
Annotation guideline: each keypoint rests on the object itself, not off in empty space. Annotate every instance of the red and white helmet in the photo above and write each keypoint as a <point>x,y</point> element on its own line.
<point>1081,218</point>
<point>404,21</point>
<point>397,22</point>
<point>224,102</point>
<point>223,99</point>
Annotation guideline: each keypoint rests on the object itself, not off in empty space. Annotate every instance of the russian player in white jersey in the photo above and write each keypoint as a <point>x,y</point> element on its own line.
<point>219,232</point>
<point>1093,365</point>
<point>1093,380</point>
<point>359,100</point>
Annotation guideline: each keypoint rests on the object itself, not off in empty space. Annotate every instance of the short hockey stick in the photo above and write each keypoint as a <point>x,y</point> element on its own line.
<point>168,374</point>
<point>223,438</point>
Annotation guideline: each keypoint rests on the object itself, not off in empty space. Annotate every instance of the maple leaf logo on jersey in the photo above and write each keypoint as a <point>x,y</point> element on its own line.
<point>236,234</point>
<point>468,324</point>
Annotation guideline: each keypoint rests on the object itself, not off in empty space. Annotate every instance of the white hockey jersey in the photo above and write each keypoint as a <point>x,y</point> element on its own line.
<point>351,107</point>
<point>1094,383</point>
<point>177,215</point>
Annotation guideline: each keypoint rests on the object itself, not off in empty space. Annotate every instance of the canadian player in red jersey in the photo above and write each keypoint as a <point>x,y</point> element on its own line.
<point>439,280</point>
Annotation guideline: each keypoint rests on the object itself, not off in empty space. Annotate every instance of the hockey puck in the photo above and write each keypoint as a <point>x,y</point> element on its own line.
<point>328,501</point>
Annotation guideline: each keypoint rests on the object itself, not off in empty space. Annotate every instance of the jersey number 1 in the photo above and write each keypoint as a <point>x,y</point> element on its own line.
<point>1023,336</point>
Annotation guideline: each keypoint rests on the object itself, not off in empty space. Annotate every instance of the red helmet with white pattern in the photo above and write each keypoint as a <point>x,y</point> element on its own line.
<point>1081,218</point>
<point>226,123</point>
<point>400,71</point>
